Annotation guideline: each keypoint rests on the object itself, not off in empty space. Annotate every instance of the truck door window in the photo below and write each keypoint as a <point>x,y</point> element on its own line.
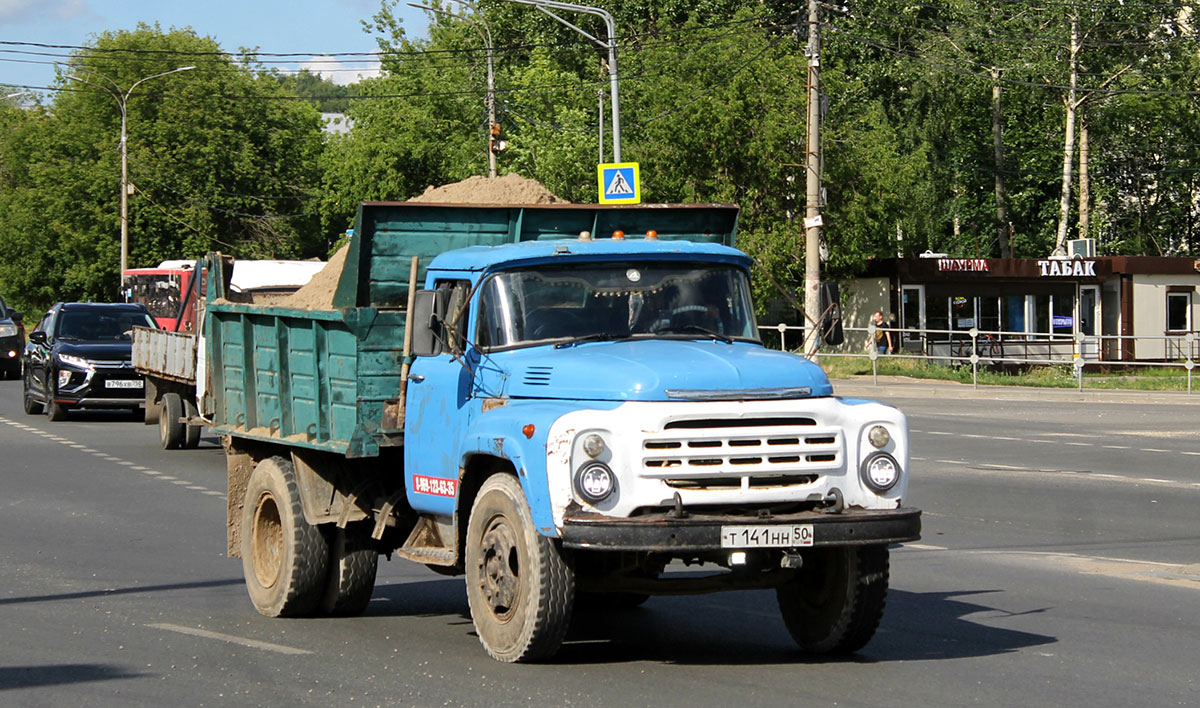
<point>454,330</point>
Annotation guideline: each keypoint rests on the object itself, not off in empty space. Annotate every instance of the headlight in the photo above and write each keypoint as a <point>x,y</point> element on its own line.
<point>8,330</point>
<point>880,471</point>
<point>593,445</point>
<point>595,482</point>
<point>879,436</point>
<point>78,361</point>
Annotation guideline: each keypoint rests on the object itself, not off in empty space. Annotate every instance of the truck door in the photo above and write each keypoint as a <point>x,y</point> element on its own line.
<point>437,410</point>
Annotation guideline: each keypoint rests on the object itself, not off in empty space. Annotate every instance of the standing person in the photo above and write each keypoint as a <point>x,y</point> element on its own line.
<point>883,335</point>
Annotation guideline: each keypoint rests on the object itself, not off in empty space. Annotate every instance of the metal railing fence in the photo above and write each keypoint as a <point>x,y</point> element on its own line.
<point>1000,349</point>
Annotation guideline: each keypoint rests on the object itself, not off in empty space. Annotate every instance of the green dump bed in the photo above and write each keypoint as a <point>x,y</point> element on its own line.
<point>326,379</point>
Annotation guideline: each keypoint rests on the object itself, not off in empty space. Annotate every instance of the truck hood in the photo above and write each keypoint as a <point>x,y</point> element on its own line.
<point>651,370</point>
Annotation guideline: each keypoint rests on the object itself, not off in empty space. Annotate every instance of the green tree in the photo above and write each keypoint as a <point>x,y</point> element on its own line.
<point>221,157</point>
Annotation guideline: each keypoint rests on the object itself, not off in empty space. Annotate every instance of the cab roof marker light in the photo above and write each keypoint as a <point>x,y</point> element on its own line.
<point>618,235</point>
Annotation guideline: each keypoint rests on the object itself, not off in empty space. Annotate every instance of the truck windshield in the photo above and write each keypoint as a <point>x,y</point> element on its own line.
<point>616,301</point>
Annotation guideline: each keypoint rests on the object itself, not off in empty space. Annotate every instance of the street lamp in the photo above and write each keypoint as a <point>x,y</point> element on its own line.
<point>611,45</point>
<point>486,33</point>
<point>122,99</point>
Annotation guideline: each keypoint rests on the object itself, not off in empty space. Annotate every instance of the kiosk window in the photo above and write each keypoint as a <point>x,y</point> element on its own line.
<point>1179,312</point>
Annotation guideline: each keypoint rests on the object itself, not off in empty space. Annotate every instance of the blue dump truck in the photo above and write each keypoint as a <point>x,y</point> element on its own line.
<point>570,406</point>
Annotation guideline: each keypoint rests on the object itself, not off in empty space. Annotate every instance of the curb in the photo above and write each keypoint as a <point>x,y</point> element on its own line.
<point>904,387</point>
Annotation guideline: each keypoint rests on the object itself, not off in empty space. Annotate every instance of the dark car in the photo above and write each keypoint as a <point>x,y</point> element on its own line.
<point>79,356</point>
<point>12,341</point>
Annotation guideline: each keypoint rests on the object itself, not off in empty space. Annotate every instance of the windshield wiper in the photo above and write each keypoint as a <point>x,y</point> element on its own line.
<point>593,337</point>
<point>702,330</point>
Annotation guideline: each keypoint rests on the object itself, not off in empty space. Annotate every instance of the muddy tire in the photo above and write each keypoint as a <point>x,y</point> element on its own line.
<point>170,430</point>
<point>519,585</point>
<point>836,601</point>
<point>284,559</point>
<point>351,578</point>
<point>191,433</point>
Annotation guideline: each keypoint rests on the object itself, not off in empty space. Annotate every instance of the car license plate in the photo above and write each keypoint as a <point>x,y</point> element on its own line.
<point>123,383</point>
<point>777,536</point>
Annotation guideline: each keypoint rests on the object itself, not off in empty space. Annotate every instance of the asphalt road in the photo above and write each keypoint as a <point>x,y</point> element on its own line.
<point>1060,566</point>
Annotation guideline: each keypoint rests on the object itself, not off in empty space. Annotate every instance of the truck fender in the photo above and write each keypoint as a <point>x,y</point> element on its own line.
<point>528,458</point>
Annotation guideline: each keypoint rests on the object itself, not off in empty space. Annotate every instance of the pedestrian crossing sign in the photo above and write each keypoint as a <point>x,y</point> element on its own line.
<point>620,183</point>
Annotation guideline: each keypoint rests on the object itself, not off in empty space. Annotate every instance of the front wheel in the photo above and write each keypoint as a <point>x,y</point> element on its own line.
<point>54,411</point>
<point>835,602</point>
<point>32,407</point>
<point>519,585</point>
<point>284,558</point>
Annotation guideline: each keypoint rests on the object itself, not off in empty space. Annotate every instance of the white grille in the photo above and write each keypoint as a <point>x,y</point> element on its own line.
<point>786,452</point>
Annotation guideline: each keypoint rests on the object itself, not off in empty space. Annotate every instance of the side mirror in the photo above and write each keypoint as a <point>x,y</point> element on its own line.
<point>429,307</point>
<point>831,315</point>
<point>37,337</point>
<point>16,317</point>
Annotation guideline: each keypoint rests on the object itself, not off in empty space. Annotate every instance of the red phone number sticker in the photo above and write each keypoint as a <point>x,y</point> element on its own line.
<point>435,485</point>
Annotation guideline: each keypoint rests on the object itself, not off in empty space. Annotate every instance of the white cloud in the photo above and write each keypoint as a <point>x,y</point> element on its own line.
<point>341,71</point>
<point>22,11</point>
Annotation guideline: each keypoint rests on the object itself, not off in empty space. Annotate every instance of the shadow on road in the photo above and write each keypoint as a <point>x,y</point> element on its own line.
<point>137,590</point>
<point>737,628</point>
<point>12,677</point>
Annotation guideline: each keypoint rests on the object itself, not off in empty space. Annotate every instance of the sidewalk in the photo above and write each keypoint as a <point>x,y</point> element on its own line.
<point>905,387</point>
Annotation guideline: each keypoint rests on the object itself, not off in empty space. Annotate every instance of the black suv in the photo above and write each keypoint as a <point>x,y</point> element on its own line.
<point>12,341</point>
<point>79,356</point>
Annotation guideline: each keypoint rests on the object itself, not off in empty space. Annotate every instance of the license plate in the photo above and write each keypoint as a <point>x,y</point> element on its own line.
<point>123,383</point>
<point>778,536</point>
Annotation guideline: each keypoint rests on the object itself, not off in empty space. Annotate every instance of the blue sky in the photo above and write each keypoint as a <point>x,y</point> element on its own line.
<point>314,27</point>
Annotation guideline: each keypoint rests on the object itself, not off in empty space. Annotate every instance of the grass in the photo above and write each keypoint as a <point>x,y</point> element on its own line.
<point>1138,379</point>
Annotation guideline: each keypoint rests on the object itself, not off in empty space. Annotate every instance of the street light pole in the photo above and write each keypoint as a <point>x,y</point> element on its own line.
<point>611,45</point>
<point>122,99</point>
<point>486,33</point>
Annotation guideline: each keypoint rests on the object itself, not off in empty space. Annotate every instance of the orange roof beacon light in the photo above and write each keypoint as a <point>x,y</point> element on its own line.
<point>618,235</point>
<point>651,235</point>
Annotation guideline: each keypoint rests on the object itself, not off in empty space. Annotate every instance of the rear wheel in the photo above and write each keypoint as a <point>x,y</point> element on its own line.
<point>519,585</point>
<point>170,430</point>
<point>834,604</point>
<point>191,433</point>
<point>285,559</point>
<point>352,568</point>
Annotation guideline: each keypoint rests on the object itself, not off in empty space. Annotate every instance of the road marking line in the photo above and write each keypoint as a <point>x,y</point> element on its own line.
<point>1153,449</point>
<point>1190,453</point>
<point>923,547</point>
<point>198,489</point>
<point>1078,444</point>
<point>127,463</point>
<point>1157,481</point>
<point>230,639</point>
<point>1117,447</point>
<point>214,494</point>
<point>951,462</point>
<point>180,482</point>
<point>166,477</point>
<point>151,472</point>
<point>936,432</point>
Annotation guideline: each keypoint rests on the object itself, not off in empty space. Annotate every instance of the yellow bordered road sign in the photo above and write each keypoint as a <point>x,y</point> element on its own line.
<point>620,183</point>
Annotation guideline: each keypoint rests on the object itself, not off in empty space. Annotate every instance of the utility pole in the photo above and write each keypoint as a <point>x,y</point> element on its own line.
<point>812,219</point>
<point>122,98</point>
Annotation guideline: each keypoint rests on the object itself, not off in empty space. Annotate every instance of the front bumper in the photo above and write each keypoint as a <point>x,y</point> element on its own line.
<point>700,532</point>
